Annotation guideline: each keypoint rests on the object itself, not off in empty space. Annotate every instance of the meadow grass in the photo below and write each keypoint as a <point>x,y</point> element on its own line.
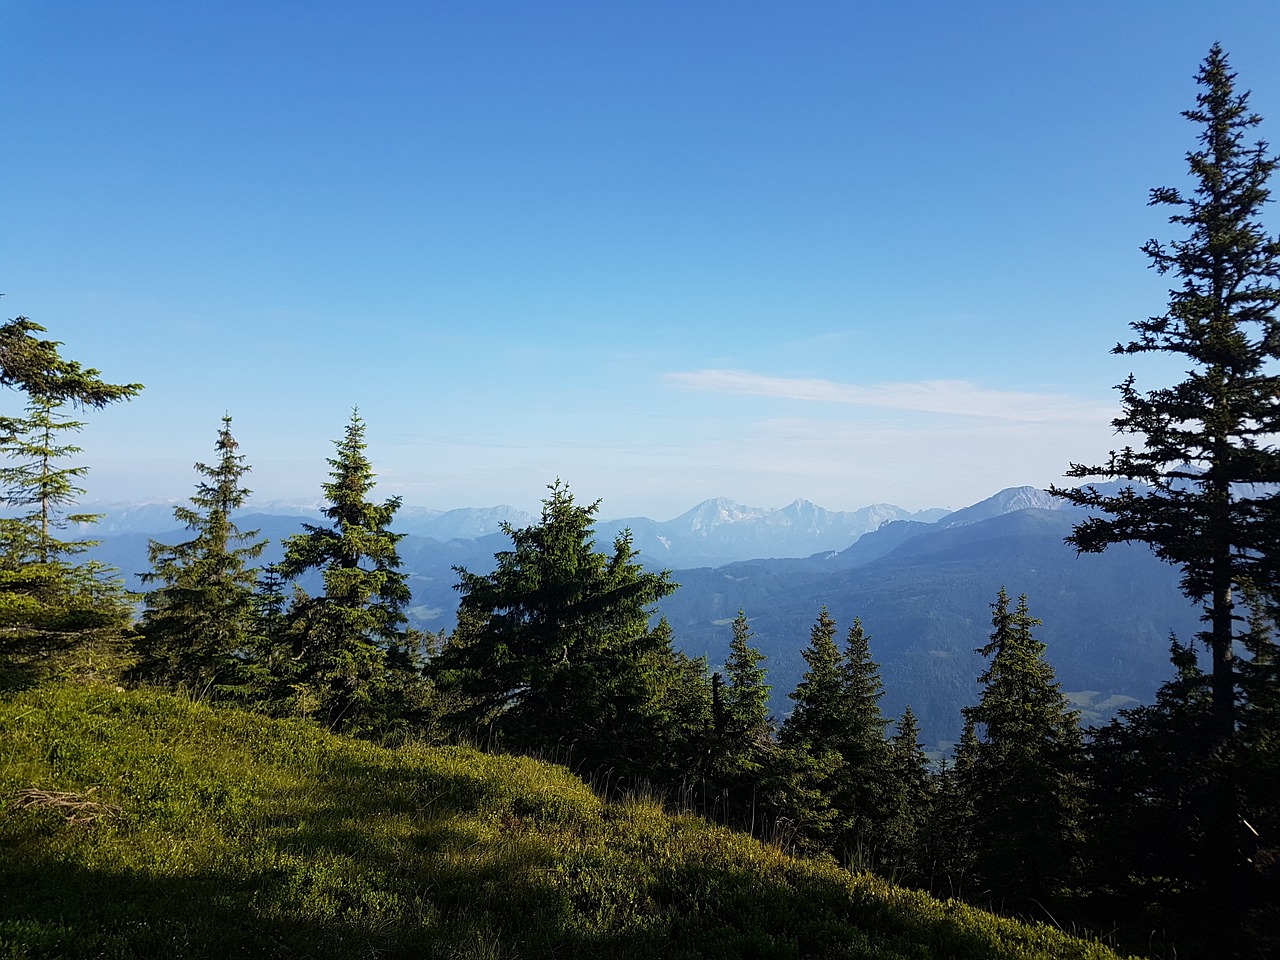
<point>135,824</point>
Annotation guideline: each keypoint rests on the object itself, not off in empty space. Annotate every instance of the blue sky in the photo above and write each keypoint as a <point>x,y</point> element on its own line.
<point>664,250</point>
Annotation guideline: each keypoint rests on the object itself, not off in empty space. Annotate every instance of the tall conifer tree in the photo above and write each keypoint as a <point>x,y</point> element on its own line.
<point>554,649</point>
<point>812,763</point>
<point>346,638</point>
<point>862,795</point>
<point>1208,463</point>
<point>906,803</point>
<point>1023,783</point>
<point>742,707</point>
<point>199,624</point>
<point>45,596</point>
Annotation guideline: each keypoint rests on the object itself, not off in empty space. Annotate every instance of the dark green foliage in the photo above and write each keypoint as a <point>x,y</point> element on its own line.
<point>835,756</point>
<point>817,719</point>
<point>50,605</point>
<point>1148,789</point>
<point>1208,452</point>
<point>1208,439</point>
<point>810,765</point>
<point>743,731</point>
<point>199,626</point>
<point>677,716</point>
<point>354,661</point>
<point>948,838</point>
<point>554,651</point>
<point>865,753</point>
<point>1023,782</point>
<point>906,805</point>
<point>35,367</point>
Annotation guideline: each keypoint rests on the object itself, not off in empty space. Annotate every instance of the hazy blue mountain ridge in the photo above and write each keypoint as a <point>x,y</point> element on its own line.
<point>923,590</point>
<point>721,531</point>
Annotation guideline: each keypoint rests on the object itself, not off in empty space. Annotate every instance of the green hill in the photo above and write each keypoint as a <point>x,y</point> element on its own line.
<point>141,825</point>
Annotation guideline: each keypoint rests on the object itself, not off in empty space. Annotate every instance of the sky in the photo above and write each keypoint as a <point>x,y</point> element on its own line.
<point>665,251</point>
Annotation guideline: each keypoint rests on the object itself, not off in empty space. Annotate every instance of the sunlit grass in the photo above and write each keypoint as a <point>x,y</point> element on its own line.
<point>221,834</point>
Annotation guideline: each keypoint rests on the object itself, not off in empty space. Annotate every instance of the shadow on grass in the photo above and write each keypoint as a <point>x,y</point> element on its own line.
<point>349,851</point>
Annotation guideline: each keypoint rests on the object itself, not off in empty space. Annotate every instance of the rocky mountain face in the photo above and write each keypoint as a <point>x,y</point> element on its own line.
<point>721,531</point>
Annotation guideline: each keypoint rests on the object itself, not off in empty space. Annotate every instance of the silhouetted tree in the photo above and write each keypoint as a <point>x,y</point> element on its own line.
<point>1207,461</point>
<point>1024,783</point>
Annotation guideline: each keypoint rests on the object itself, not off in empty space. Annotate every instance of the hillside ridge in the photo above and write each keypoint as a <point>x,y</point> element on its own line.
<point>215,832</point>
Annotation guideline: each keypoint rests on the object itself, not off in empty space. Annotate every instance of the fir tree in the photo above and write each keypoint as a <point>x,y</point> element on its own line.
<point>43,491</point>
<point>818,717</point>
<point>865,752</point>
<point>1147,789</point>
<point>1023,783</point>
<point>672,742</point>
<point>948,838</point>
<point>554,651</point>
<point>743,731</point>
<point>1207,463</point>
<point>811,764</point>
<point>346,639</point>
<point>36,368</point>
<point>906,803</point>
<point>199,624</point>
<point>49,602</point>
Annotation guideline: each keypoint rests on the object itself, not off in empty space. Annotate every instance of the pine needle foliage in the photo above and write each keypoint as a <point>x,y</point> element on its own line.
<point>1208,442</point>
<point>554,650</point>
<point>50,604</point>
<point>835,756</point>
<point>199,626</point>
<point>1206,468</point>
<point>1023,779</point>
<point>743,730</point>
<point>355,659</point>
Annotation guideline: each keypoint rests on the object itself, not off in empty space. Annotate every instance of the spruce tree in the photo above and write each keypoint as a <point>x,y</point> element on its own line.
<point>36,368</point>
<point>1024,781</point>
<point>741,713</point>
<point>818,717</point>
<point>906,803</point>
<point>554,650</point>
<point>345,639</point>
<point>199,625</point>
<point>862,745</point>
<point>672,741</point>
<point>948,839</point>
<point>1206,465</point>
<point>49,601</point>
<point>40,488</point>
<point>811,766</point>
<point>1148,786</point>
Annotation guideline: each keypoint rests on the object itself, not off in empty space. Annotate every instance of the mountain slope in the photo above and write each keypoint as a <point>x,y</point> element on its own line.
<point>922,590</point>
<point>135,824</point>
<point>923,593</point>
<point>721,531</point>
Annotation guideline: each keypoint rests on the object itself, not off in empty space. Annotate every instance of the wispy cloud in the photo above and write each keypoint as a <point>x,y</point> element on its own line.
<point>954,397</point>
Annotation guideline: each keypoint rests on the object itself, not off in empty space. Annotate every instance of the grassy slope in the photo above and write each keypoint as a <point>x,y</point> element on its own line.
<point>224,835</point>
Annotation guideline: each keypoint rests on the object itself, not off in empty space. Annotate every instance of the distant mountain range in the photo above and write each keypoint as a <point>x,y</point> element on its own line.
<point>713,532</point>
<point>720,531</point>
<point>921,582</point>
